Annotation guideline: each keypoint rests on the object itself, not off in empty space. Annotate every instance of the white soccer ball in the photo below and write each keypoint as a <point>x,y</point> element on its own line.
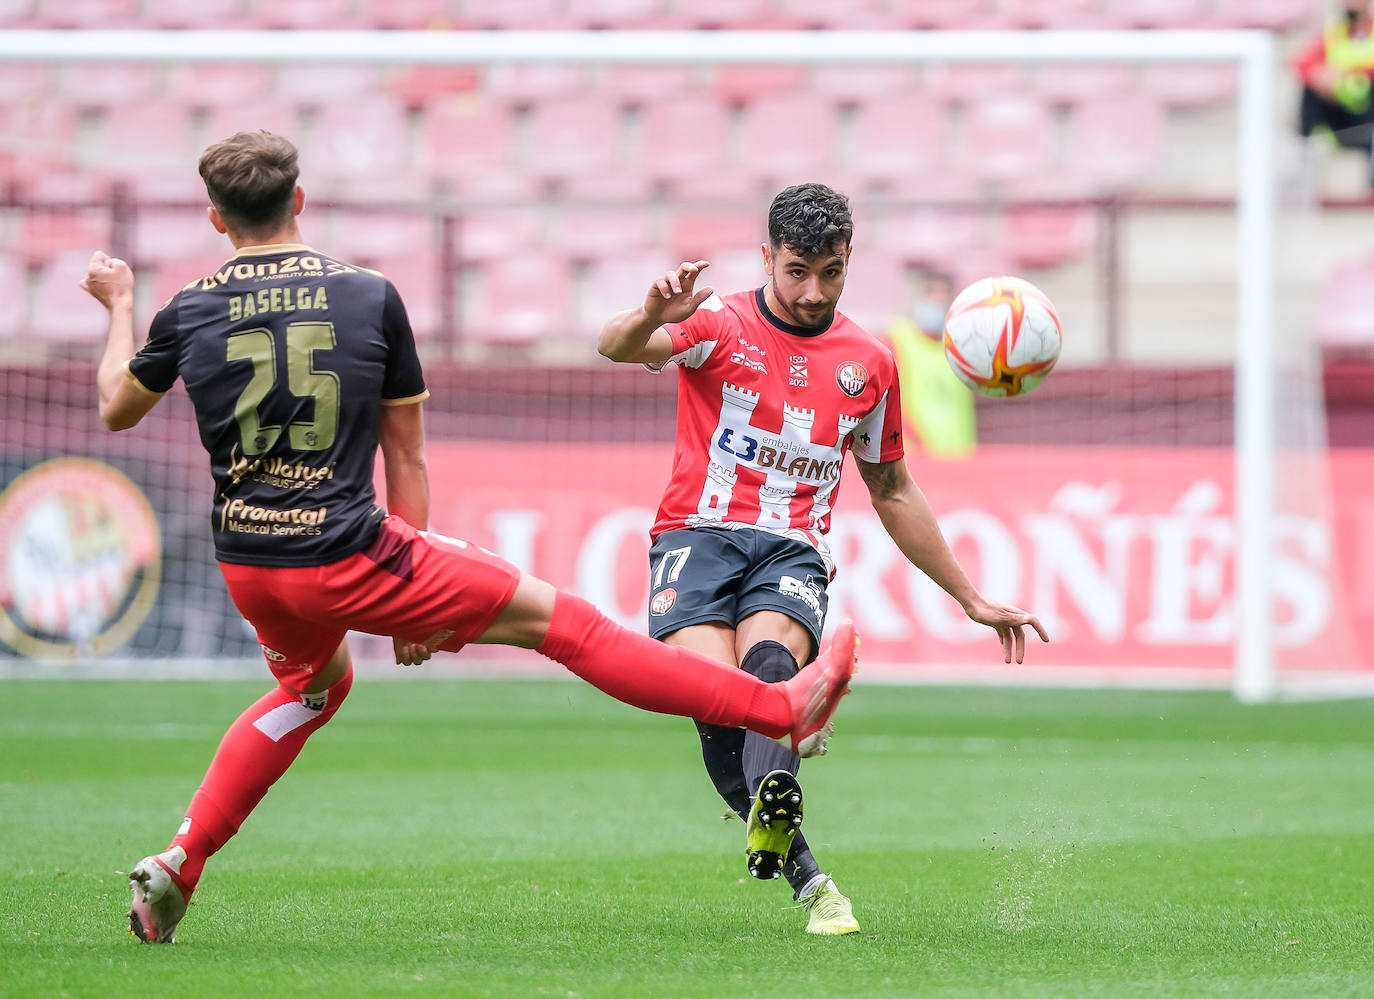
<point>1002,336</point>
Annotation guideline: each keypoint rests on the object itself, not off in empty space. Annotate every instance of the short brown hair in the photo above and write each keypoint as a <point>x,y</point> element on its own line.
<point>251,179</point>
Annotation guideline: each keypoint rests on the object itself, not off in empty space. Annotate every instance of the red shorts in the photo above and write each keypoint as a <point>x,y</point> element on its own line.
<point>407,584</point>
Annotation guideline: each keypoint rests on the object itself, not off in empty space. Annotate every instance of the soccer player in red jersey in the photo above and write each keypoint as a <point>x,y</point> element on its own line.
<point>299,367</point>
<point>774,387</point>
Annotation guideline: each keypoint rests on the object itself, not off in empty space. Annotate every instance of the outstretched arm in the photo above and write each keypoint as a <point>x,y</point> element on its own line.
<point>123,400</point>
<point>636,335</point>
<point>908,518</point>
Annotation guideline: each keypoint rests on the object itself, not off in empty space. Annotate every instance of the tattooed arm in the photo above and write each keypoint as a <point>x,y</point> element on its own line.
<point>910,521</point>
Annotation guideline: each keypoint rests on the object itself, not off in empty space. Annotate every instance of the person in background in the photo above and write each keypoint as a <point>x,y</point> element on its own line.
<point>937,409</point>
<point>1337,71</point>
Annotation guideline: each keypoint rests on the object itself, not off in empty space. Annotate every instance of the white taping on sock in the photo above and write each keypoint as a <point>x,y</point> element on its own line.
<point>284,719</point>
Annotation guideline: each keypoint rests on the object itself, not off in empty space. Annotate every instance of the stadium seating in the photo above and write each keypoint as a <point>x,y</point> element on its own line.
<point>517,300</point>
<point>221,85</point>
<point>600,160</point>
<point>61,309</point>
<point>88,13</point>
<point>13,294</point>
<point>194,14</point>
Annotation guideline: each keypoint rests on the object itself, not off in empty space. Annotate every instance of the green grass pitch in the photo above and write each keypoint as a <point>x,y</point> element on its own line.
<point>466,838</point>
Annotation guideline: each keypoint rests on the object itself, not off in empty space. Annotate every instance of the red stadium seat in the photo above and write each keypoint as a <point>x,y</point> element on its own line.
<point>47,233</point>
<point>924,236</point>
<point>1344,322</point>
<point>610,284</point>
<point>209,85</point>
<point>1043,237</point>
<point>518,82</point>
<point>194,14</point>
<point>727,13</point>
<point>1066,83</point>
<point>967,83</point>
<point>361,140</point>
<point>617,13</point>
<point>467,137</point>
<point>353,234</point>
<point>226,119</point>
<point>520,299</point>
<point>636,85</point>
<point>851,16</point>
<point>897,137</point>
<point>518,14</point>
<point>307,14</point>
<point>790,138</point>
<point>146,137</point>
<point>19,14</point>
<point>418,86</point>
<point>57,186</point>
<point>1272,15</point>
<point>1007,139</point>
<point>694,235</point>
<point>173,274</point>
<point>575,136</point>
<point>862,82</point>
<point>1053,13</point>
<point>875,290</point>
<point>61,309</point>
<point>324,84</point>
<point>947,14</point>
<point>88,13</point>
<point>1116,141</point>
<point>1158,13</point>
<point>741,84</point>
<point>14,293</point>
<point>585,233</point>
<point>406,14</point>
<point>98,84</point>
<point>681,138</point>
<point>167,235</point>
<point>1190,85</point>
<point>21,81</point>
<point>419,280</point>
<point>49,134</point>
<point>493,233</point>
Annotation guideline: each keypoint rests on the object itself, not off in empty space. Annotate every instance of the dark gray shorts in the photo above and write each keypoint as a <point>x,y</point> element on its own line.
<point>713,575</point>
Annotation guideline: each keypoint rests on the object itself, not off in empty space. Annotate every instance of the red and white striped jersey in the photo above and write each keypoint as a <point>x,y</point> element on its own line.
<point>766,411</point>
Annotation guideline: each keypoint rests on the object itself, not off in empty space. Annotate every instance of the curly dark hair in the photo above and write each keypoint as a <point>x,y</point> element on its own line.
<point>810,219</point>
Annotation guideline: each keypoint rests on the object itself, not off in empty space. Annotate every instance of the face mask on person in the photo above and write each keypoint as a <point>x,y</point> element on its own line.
<point>930,316</point>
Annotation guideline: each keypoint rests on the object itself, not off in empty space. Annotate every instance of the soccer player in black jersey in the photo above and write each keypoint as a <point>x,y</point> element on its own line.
<point>300,367</point>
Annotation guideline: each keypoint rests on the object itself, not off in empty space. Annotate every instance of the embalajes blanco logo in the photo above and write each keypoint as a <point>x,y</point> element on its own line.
<point>852,377</point>
<point>80,559</point>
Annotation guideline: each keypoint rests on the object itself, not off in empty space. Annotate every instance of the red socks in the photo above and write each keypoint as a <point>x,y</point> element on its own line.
<point>647,674</point>
<point>254,753</point>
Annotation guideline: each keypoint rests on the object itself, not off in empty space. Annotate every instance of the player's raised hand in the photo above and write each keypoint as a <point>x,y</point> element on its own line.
<point>1010,623</point>
<point>108,279</point>
<point>675,296</point>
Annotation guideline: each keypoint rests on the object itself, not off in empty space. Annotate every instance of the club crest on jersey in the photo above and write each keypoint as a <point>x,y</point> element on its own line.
<point>663,602</point>
<point>852,377</point>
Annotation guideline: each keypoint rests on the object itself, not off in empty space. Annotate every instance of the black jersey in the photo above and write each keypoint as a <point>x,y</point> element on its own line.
<point>288,356</point>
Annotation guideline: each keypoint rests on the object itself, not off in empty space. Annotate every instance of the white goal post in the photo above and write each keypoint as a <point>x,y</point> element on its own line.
<point>1254,53</point>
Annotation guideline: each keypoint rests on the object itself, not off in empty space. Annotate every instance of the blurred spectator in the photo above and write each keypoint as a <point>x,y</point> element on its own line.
<point>1336,71</point>
<point>937,409</point>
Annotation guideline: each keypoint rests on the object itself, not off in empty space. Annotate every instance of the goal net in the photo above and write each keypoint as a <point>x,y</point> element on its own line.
<point>1166,502</point>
